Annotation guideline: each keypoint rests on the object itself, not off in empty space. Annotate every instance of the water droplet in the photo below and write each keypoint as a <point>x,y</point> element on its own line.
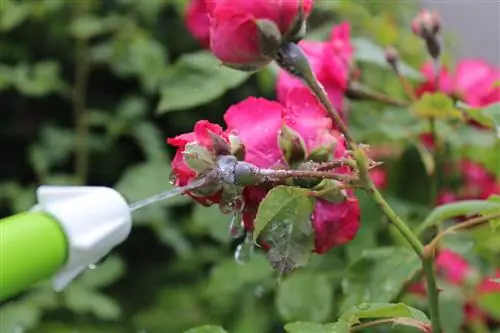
<point>172,178</point>
<point>226,207</point>
<point>244,251</point>
<point>236,228</point>
<point>259,291</point>
<point>363,306</point>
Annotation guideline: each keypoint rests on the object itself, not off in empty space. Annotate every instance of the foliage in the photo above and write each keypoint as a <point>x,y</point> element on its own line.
<point>138,76</point>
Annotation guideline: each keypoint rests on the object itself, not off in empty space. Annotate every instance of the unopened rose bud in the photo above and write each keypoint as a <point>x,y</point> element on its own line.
<point>237,147</point>
<point>292,146</point>
<point>219,144</point>
<point>198,158</point>
<point>246,35</point>
<point>392,58</point>
<point>426,24</point>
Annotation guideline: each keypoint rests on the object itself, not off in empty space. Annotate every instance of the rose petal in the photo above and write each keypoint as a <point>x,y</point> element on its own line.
<point>335,224</point>
<point>257,123</point>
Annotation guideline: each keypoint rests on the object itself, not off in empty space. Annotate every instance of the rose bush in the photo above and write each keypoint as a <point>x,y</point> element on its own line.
<point>274,180</point>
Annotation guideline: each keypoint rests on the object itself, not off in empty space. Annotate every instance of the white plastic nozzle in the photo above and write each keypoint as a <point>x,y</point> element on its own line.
<point>94,219</point>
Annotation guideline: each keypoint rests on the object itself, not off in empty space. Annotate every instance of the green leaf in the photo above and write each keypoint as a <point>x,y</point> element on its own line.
<point>211,221</point>
<point>307,327</point>
<point>284,219</point>
<point>104,274</point>
<point>87,26</point>
<point>454,209</point>
<point>489,116</point>
<point>229,279</point>
<point>451,309</point>
<point>281,203</point>
<point>37,80</point>
<point>12,14</point>
<point>382,310</point>
<point>146,179</point>
<point>438,106</point>
<point>84,300</point>
<point>151,141</point>
<point>305,296</point>
<point>495,223</point>
<point>134,53</point>
<point>206,329</point>
<point>255,316</point>
<point>486,243</point>
<point>368,51</point>
<point>18,316</point>
<point>196,79</point>
<point>371,220</point>
<point>379,275</point>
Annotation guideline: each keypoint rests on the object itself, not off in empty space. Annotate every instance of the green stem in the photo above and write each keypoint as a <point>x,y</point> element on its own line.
<point>292,59</point>
<point>432,290</point>
<point>436,174</point>
<point>82,66</point>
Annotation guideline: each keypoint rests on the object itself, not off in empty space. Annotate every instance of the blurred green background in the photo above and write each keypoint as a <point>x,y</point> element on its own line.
<point>89,90</point>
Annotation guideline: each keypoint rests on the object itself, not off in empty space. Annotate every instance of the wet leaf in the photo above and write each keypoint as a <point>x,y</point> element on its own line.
<point>280,204</point>
<point>382,310</point>
<point>305,296</point>
<point>283,219</point>
<point>379,275</point>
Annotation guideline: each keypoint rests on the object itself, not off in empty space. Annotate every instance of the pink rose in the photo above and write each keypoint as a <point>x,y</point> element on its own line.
<point>183,172</point>
<point>473,82</point>
<point>452,267</point>
<point>379,177</point>
<point>456,270</point>
<point>197,21</point>
<point>330,62</point>
<point>258,123</point>
<point>246,33</point>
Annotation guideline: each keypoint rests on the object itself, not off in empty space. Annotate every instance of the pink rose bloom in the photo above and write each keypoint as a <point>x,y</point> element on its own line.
<point>473,82</point>
<point>456,270</point>
<point>197,21</point>
<point>235,34</point>
<point>379,177</point>
<point>182,172</point>
<point>477,183</point>
<point>330,62</point>
<point>452,267</point>
<point>258,123</point>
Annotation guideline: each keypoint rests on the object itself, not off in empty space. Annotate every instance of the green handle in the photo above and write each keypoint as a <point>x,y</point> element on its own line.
<point>33,247</point>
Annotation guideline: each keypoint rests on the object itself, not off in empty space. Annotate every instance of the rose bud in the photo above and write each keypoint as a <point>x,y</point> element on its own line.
<point>246,35</point>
